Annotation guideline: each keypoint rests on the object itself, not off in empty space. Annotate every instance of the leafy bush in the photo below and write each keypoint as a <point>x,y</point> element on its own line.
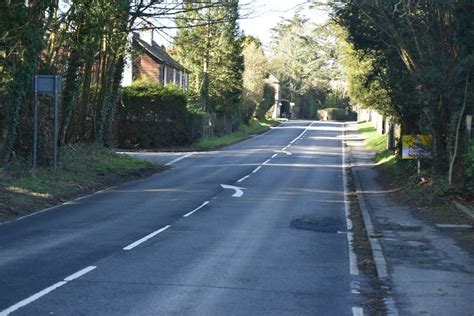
<point>248,108</point>
<point>267,102</point>
<point>154,116</point>
<point>469,160</point>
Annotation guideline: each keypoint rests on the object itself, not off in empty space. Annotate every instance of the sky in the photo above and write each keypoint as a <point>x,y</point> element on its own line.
<point>260,16</point>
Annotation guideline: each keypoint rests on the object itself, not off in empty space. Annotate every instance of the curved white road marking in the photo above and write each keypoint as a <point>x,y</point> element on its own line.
<point>238,190</point>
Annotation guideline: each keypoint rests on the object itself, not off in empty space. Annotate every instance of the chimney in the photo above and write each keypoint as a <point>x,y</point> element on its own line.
<point>146,35</point>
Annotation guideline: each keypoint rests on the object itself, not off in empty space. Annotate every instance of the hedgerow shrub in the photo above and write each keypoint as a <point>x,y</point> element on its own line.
<point>267,102</point>
<point>337,114</point>
<point>153,116</point>
<point>469,160</point>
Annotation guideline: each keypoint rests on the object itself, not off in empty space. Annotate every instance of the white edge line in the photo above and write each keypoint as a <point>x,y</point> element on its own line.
<point>266,161</point>
<point>353,268</point>
<point>196,209</point>
<point>243,178</point>
<point>256,169</point>
<point>32,298</point>
<point>142,240</point>
<point>260,135</point>
<point>177,159</point>
<point>80,273</point>
<point>357,311</point>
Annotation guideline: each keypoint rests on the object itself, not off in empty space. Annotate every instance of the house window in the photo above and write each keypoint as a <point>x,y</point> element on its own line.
<point>174,75</point>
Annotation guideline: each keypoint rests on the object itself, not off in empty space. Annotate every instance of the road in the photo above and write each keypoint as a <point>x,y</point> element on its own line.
<point>184,242</point>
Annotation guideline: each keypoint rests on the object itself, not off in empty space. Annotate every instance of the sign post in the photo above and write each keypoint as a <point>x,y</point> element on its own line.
<point>46,84</point>
<point>416,147</point>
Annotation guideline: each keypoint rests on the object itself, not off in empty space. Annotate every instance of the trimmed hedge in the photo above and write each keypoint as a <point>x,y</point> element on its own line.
<point>153,116</point>
<point>267,102</point>
<point>336,114</point>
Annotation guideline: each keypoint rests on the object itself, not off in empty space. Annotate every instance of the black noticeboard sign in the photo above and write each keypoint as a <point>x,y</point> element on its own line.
<point>47,84</point>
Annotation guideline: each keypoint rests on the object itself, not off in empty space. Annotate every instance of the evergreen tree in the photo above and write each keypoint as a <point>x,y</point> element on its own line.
<point>422,52</point>
<point>208,43</point>
<point>253,77</point>
<point>304,61</point>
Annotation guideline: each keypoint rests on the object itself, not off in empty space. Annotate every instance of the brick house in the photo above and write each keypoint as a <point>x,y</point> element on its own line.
<point>153,61</point>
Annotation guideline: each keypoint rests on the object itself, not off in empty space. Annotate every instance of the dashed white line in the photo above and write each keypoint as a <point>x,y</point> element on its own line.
<point>177,159</point>
<point>298,137</point>
<point>31,299</point>
<point>142,240</point>
<point>80,273</point>
<point>274,155</point>
<point>243,178</point>
<point>45,291</point>
<point>196,209</point>
<point>302,133</point>
<point>266,161</point>
<point>256,169</point>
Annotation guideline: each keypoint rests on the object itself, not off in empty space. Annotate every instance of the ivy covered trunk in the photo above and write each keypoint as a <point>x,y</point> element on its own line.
<point>21,42</point>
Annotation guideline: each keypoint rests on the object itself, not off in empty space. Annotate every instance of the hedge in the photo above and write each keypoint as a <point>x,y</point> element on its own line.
<point>268,101</point>
<point>336,114</point>
<point>153,116</point>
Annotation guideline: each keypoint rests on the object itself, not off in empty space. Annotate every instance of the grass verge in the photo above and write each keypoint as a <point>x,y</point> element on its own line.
<point>83,169</point>
<point>377,142</point>
<point>427,189</point>
<point>427,194</point>
<point>245,132</point>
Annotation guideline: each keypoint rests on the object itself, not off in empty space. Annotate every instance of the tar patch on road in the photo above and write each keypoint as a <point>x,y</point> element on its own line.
<point>398,227</point>
<point>319,225</point>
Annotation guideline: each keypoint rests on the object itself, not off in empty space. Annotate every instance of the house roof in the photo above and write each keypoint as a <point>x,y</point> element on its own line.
<point>158,52</point>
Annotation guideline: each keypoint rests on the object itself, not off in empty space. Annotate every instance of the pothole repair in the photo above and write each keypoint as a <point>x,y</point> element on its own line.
<point>319,225</point>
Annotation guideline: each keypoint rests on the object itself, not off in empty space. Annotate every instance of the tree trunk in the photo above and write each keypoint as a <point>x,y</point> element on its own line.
<point>458,130</point>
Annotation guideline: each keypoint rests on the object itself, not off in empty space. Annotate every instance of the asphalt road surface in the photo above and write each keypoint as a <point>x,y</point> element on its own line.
<point>186,242</point>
